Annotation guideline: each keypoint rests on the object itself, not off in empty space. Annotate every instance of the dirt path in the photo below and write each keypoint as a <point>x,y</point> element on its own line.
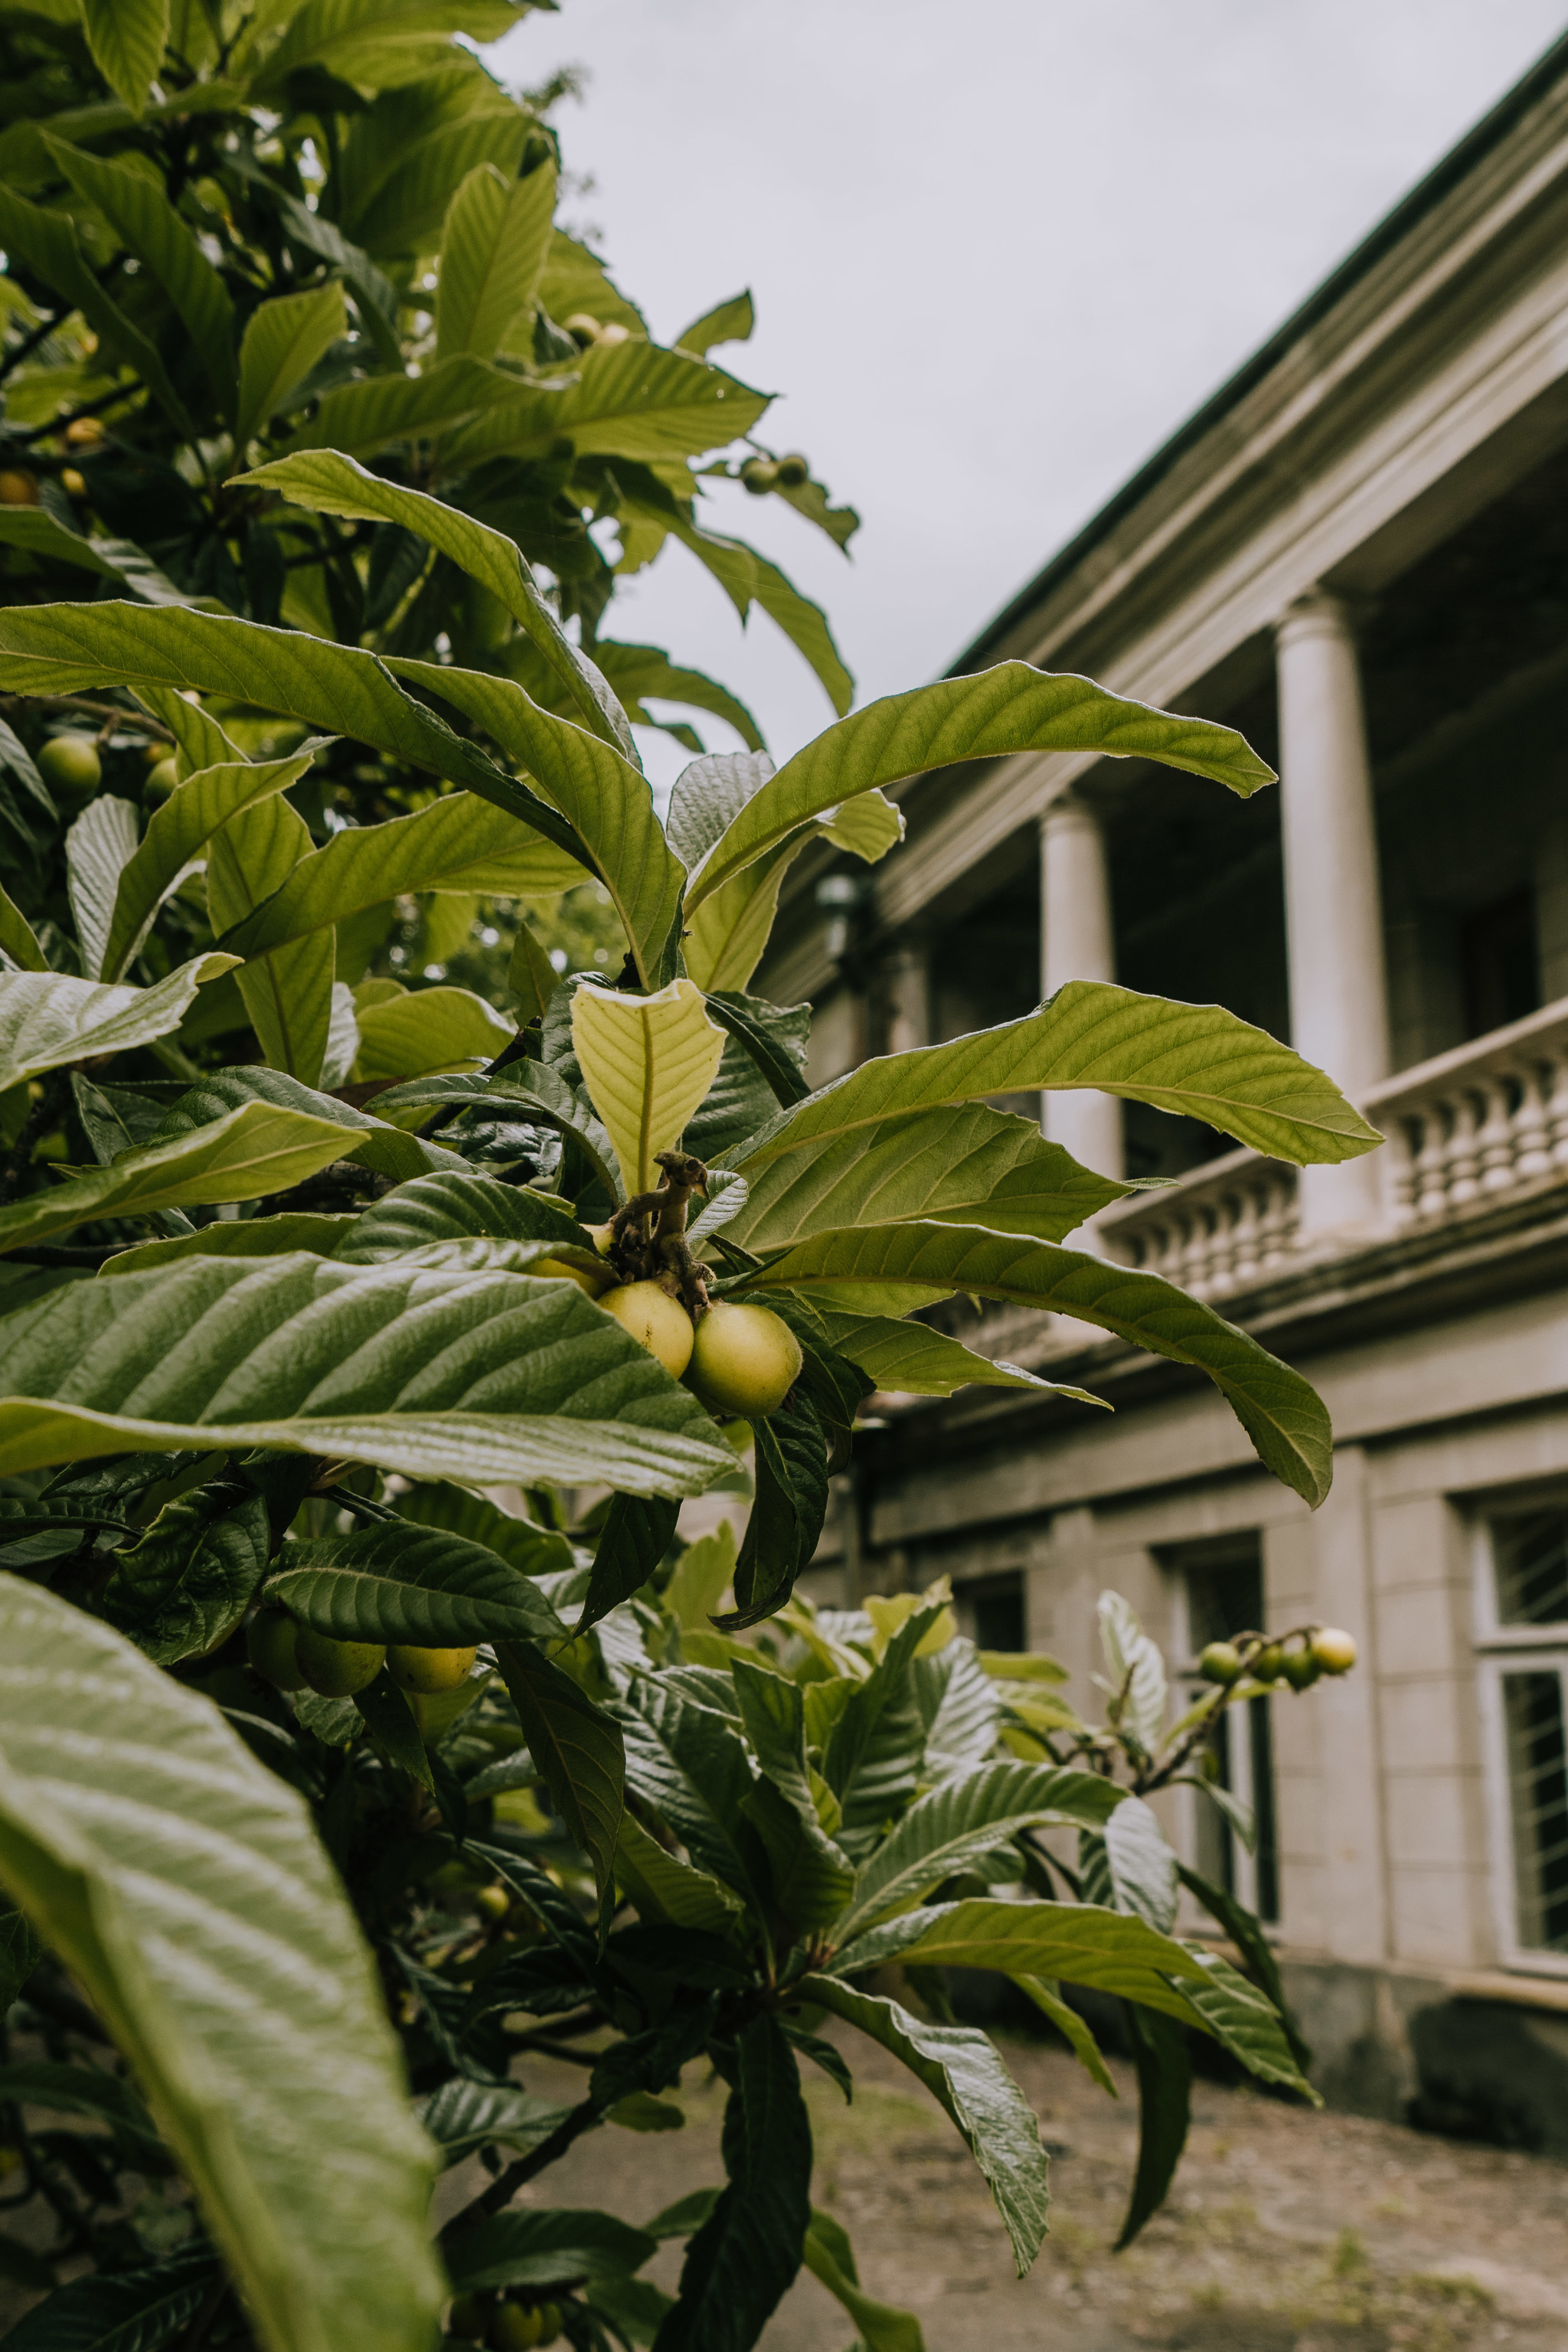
<point>1288,2231</point>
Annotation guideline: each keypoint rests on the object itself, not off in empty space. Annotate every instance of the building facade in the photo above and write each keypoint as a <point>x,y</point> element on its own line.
<point>1358,554</point>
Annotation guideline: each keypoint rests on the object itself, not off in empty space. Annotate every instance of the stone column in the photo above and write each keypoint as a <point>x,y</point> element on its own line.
<point>906,995</point>
<point>1077,944</point>
<point>1333,913</point>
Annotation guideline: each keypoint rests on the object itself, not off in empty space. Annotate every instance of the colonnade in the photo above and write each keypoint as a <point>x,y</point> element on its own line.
<point>1339,999</point>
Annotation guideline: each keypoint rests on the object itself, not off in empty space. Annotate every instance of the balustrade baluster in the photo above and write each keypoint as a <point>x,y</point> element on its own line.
<point>1245,1247</point>
<point>1464,1152</point>
<point>1531,1136</point>
<point>1399,1172</point>
<point>1431,1163</point>
<point>1496,1137</point>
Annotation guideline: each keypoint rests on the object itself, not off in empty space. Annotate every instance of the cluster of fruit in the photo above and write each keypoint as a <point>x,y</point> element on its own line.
<point>585,330</point>
<point>760,475</point>
<point>1270,1658</point>
<point>81,437</point>
<point>292,1658</point>
<point>73,771</point>
<point>505,2326</point>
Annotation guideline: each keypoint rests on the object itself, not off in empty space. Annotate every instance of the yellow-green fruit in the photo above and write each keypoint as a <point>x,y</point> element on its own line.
<point>84,432</point>
<point>17,490</point>
<point>1334,1651</point>
<point>655,1321</point>
<point>337,1669</point>
<point>549,2323</point>
<point>436,1713</point>
<point>1269,1664</point>
<point>428,1670</point>
<point>744,1360</point>
<point>70,766</point>
<point>516,2326</point>
<point>270,1646</point>
<point>1221,1663</point>
<point>559,1271</point>
<point>467,2318</point>
<point>73,483</point>
<point>759,475</point>
<point>162,779</point>
<point>1301,1669</point>
<point>793,471</point>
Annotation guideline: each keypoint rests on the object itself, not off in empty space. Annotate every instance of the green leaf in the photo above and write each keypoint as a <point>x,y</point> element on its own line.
<point>284,338</point>
<point>747,578</point>
<point>182,826</point>
<point>388,1716</point>
<point>1164,2094</point>
<point>877,1744</point>
<point>1198,1061</point>
<point>365,416</point>
<point>434,1029</point>
<point>132,2311</point>
<point>1136,1673</point>
<point>1048,1999</point>
<point>183,1886</point>
<point>183,1589</point>
<point>639,671</point>
<point>550,2247</point>
<point>892,1269</point>
<point>366,1139</point>
<point>1001,711</point>
<point>648,1062</point>
<point>45,241</point>
<point>960,2067</point>
<point>251,1151</point>
<point>767,1044</point>
<point>495,1379</point>
<point>20,1952</point>
<point>942,1833</point>
<point>813,1877</point>
<point>912,1359</point>
<point>782,1533</point>
<point>748,2252</point>
<point>127,39</point>
<point>576,280</point>
<point>120,559</point>
<point>704,1572</point>
<point>577,1747</point>
<point>443,1208</point>
<point>543,1096</point>
<point>605,803</point>
<point>330,483</point>
<point>768,1032</point>
<point>297,1229</point>
<point>1129,1867</point>
<point>531,976</point>
<point>961,1164</point>
<point>380,42</point>
<point>727,323</point>
<point>98,848</point>
<point>410,1585</point>
<point>626,400</point>
<point>141,217</point>
<point>462,2116</point>
<point>494,247</point>
<point>1246,1934</point>
<point>662,1886</point>
<point>63,648</point>
<point>687,1760</point>
<point>635,1535</point>
<point>533,1550</point>
<point>80,2091</point>
<point>828,2257</point>
<point>18,938</point>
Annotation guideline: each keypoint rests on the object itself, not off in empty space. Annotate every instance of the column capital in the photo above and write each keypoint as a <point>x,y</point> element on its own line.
<point>1317,614</point>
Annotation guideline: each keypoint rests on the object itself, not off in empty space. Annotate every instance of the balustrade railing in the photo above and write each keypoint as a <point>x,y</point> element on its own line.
<point>1478,1126</point>
<point>1467,1130</point>
<point>1229,1224</point>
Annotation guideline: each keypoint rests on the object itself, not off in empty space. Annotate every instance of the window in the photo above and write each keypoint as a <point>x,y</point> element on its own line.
<point>991,1611</point>
<point>1522,1607</point>
<point>1498,963</point>
<point>1223,1589</point>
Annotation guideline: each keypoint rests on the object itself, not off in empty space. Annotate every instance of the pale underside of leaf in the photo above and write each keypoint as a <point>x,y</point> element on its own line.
<point>49,1018</point>
<point>649,1063</point>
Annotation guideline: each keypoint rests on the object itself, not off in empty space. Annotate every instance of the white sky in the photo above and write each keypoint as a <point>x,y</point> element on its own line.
<point>999,250</point>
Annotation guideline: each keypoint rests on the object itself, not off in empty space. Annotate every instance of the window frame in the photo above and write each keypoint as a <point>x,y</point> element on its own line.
<point>1500,1650</point>
<point>1184,1671</point>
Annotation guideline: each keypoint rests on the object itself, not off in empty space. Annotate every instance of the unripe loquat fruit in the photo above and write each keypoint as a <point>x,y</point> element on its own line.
<point>70,766</point>
<point>745,1360</point>
<point>427,1670</point>
<point>1221,1663</point>
<point>337,1669</point>
<point>270,1646</point>
<point>655,1321</point>
<point>16,489</point>
<point>160,779</point>
<point>1335,1651</point>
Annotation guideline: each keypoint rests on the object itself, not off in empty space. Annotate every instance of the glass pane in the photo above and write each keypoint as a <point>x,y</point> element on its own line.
<point>1538,1793</point>
<point>1530,1550</point>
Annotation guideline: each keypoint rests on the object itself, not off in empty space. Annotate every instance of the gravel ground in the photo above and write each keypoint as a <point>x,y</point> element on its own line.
<point>1289,2231</point>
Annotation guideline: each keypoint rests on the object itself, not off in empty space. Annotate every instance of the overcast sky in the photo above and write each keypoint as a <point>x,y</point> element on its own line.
<point>999,250</point>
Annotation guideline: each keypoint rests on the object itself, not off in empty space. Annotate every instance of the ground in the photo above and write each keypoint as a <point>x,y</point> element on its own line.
<point>1289,2231</point>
